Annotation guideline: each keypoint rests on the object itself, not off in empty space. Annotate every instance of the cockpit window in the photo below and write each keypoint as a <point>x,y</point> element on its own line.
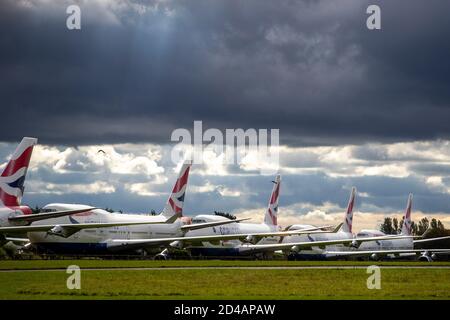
<point>362,234</point>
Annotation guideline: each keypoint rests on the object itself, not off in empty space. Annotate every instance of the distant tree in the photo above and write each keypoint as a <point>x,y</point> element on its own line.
<point>386,226</point>
<point>36,210</point>
<point>433,228</point>
<point>225,214</point>
<point>414,228</point>
<point>423,226</point>
<point>436,225</point>
<point>395,226</point>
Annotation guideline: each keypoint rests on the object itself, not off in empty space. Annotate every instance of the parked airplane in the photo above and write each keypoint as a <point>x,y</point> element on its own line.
<point>336,245</point>
<point>395,248</point>
<point>15,217</point>
<point>69,239</point>
<point>224,240</point>
<point>250,230</point>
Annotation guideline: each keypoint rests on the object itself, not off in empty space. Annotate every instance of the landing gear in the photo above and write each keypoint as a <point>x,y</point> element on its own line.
<point>291,257</point>
<point>3,240</point>
<point>263,256</point>
<point>144,254</point>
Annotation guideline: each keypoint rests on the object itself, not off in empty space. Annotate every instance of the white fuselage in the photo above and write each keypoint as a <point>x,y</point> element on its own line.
<point>317,252</point>
<point>395,244</point>
<point>227,247</point>
<point>6,213</point>
<point>96,240</point>
<point>323,252</point>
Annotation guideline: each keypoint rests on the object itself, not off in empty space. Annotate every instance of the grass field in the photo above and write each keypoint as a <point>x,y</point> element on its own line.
<point>219,283</point>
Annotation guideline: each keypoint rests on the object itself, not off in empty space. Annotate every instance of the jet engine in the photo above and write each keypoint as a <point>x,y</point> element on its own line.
<point>56,231</point>
<point>177,244</point>
<point>251,239</point>
<point>355,244</point>
<point>425,257</point>
<point>63,232</point>
<point>374,257</point>
<point>163,255</point>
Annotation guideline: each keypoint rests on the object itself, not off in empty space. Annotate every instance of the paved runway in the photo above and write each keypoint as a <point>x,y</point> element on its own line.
<point>240,268</point>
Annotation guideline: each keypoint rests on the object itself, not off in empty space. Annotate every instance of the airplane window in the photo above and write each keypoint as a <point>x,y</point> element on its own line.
<point>363,234</point>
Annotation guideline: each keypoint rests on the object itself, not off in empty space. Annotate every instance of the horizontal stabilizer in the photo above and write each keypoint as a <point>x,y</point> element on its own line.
<point>197,226</point>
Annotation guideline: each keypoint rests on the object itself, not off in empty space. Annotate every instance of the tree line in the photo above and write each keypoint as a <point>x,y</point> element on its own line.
<point>425,227</point>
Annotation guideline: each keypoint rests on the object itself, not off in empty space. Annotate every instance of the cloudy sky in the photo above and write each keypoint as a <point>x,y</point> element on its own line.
<point>354,106</point>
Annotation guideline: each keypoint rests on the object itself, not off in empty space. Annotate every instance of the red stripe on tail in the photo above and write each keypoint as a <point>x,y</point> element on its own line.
<point>8,200</point>
<point>181,182</point>
<point>22,161</point>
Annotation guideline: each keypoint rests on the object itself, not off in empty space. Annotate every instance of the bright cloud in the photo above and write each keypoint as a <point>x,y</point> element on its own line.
<point>316,180</point>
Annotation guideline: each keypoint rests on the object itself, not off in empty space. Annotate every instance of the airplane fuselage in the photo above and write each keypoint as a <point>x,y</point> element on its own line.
<point>323,253</point>
<point>96,240</point>
<point>8,212</point>
<point>228,247</point>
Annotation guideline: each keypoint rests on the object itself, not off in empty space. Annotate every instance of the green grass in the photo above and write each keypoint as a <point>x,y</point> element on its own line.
<point>62,264</point>
<point>218,283</point>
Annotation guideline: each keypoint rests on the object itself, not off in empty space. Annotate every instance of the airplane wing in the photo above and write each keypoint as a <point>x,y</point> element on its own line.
<point>196,226</point>
<point>297,246</point>
<point>66,230</point>
<point>181,242</point>
<point>47,215</point>
<point>395,252</point>
<point>431,239</point>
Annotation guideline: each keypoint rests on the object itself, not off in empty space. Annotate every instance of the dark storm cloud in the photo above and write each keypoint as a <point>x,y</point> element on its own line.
<point>310,68</point>
<point>431,169</point>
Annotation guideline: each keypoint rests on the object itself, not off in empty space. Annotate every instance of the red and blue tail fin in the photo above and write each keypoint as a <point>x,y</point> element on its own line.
<point>12,178</point>
<point>348,220</point>
<point>406,227</point>
<point>174,205</point>
<point>271,215</point>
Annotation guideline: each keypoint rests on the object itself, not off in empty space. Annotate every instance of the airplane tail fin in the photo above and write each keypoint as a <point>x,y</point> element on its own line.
<point>174,205</point>
<point>270,217</point>
<point>406,227</point>
<point>13,176</point>
<point>348,221</point>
